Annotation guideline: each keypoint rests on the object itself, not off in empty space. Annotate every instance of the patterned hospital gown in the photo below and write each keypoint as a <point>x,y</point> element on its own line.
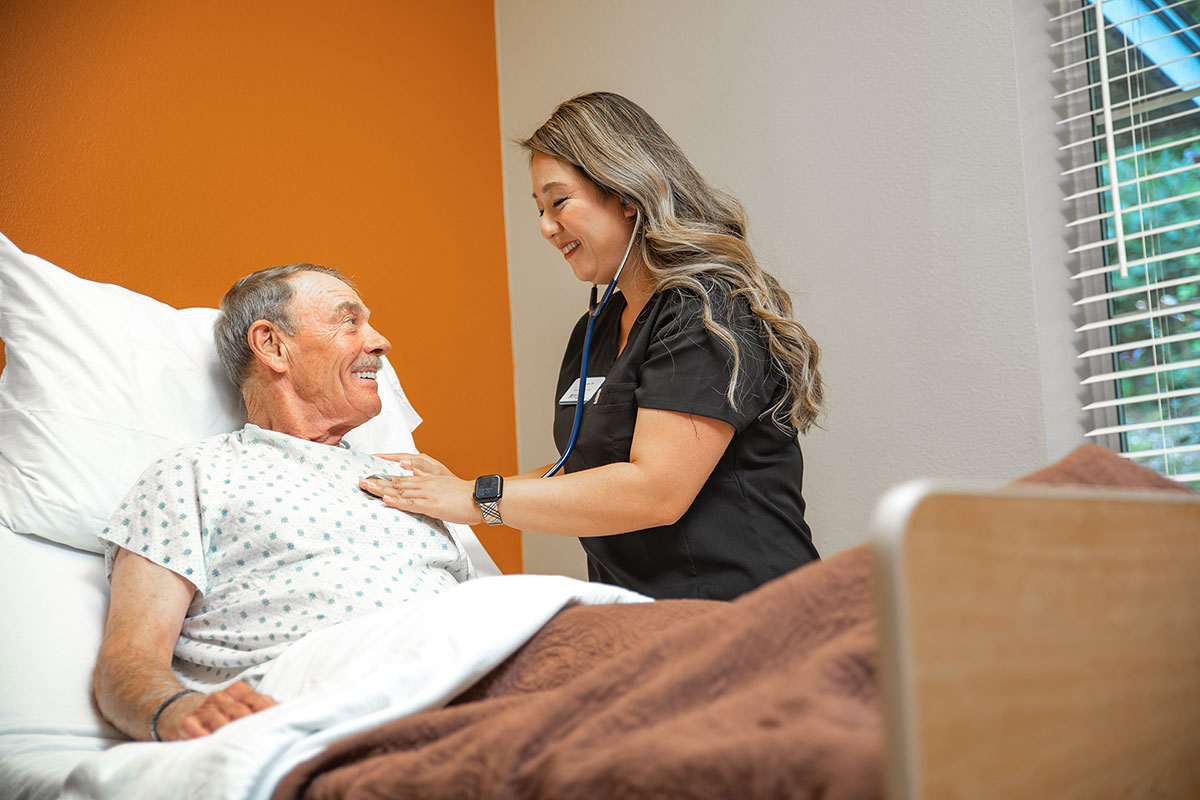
<point>279,541</point>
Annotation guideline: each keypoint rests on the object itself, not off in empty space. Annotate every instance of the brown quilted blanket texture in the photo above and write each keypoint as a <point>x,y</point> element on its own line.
<point>1091,465</point>
<point>772,695</point>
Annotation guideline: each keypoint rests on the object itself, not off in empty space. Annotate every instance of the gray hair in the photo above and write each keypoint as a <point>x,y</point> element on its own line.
<point>265,294</point>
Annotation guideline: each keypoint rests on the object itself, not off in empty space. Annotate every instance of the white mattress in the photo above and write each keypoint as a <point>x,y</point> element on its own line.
<point>52,605</point>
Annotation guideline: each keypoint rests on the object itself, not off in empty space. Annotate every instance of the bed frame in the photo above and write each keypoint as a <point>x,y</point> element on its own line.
<point>1039,642</point>
<point>1033,642</point>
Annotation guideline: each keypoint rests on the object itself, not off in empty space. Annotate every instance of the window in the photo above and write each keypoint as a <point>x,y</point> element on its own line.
<point>1131,148</point>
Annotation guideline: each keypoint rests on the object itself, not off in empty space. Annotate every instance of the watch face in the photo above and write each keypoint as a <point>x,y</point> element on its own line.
<point>487,487</point>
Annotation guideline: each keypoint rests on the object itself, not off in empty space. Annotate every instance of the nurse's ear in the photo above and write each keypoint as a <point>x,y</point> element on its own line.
<point>628,208</point>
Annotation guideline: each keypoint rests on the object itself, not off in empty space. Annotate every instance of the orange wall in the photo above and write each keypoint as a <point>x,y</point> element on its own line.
<point>172,147</point>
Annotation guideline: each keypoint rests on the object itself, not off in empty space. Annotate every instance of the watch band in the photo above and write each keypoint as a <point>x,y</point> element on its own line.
<point>491,511</point>
<point>488,491</point>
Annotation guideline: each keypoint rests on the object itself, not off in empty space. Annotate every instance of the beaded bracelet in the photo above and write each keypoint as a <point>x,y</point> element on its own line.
<point>161,708</point>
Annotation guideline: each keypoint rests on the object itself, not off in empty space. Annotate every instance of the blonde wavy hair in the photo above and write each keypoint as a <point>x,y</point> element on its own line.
<point>691,234</point>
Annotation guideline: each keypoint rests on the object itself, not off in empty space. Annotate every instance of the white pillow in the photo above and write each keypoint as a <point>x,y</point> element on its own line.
<point>98,381</point>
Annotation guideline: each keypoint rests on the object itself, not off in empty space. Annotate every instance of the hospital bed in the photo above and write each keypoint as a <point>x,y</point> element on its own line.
<point>1030,640</point>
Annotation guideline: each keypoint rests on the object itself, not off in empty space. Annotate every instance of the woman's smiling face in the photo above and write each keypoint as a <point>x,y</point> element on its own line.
<point>590,227</point>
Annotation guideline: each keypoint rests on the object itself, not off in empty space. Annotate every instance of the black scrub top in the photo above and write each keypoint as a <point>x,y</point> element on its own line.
<point>746,526</point>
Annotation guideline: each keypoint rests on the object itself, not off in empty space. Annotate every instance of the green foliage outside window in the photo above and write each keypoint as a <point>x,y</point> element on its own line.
<point>1163,233</point>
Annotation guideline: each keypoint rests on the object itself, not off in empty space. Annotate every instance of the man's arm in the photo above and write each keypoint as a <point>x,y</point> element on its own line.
<point>133,671</point>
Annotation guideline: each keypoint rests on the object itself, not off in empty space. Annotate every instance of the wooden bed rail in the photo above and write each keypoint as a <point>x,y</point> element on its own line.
<point>1039,642</point>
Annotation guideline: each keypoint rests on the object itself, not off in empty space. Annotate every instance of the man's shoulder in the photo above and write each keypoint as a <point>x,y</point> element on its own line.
<point>218,441</point>
<point>199,449</point>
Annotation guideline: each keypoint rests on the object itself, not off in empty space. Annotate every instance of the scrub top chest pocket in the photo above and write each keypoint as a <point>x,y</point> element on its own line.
<point>609,410</point>
<point>606,430</point>
<point>669,362</point>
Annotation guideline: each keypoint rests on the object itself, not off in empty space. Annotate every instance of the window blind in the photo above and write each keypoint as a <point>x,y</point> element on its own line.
<point>1129,74</point>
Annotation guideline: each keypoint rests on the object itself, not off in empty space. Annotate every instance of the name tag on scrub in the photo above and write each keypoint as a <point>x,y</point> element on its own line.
<point>571,396</point>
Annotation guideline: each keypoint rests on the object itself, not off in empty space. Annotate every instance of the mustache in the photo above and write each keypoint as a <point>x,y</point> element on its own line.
<point>368,365</point>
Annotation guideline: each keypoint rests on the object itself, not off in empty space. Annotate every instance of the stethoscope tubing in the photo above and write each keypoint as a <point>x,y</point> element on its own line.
<point>594,310</point>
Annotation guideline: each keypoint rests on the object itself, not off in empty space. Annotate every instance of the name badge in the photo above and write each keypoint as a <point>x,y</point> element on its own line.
<point>589,391</point>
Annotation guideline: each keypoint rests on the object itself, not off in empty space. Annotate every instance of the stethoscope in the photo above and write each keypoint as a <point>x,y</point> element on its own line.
<point>594,309</point>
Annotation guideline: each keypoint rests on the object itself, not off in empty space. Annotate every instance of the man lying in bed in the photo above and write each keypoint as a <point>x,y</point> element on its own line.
<point>231,548</point>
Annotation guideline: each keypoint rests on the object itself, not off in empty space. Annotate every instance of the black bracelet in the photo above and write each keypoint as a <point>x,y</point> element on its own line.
<point>163,707</point>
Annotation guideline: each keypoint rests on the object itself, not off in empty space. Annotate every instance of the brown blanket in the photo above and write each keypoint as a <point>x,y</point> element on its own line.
<point>772,695</point>
<point>769,696</point>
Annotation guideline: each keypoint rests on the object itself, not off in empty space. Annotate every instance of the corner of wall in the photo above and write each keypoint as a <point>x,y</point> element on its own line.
<point>1050,263</point>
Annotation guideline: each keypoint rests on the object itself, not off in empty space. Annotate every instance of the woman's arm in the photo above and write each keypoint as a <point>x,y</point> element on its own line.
<point>671,456</point>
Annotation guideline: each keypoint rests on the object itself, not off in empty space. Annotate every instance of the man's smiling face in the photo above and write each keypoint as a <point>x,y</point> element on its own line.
<point>335,354</point>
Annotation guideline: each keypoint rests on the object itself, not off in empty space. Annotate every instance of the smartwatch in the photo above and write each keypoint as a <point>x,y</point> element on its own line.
<point>488,490</point>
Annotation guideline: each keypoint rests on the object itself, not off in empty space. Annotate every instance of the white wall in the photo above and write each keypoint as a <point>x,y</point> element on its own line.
<point>878,151</point>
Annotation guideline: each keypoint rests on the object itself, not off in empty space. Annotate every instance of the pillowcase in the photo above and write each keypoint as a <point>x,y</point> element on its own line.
<point>98,381</point>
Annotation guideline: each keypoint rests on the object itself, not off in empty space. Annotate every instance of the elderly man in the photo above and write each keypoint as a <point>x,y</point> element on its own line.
<point>231,548</point>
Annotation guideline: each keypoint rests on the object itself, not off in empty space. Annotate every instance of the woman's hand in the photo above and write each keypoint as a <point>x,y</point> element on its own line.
<point>434,492</point>
<point>418,461</point>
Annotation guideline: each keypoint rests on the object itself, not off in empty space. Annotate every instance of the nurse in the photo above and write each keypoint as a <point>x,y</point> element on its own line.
<point>685,480</point>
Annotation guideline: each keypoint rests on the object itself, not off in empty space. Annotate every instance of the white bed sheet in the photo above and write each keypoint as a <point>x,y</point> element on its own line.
<point>52,605</point>
<point>343,680</point>
<point>53,601</point>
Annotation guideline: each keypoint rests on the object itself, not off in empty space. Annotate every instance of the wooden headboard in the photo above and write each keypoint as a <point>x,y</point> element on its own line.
<point>1039,642</point>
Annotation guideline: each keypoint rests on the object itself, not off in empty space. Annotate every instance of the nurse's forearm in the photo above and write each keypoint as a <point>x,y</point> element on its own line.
<point>670,458</point>
<point>616,498</point>
<point>533,473</point>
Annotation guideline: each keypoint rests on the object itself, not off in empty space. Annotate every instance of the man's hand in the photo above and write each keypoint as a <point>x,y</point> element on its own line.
<point>196,715</point>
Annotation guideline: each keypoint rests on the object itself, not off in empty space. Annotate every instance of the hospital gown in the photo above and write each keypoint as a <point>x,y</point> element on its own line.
<point>279,541</point>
